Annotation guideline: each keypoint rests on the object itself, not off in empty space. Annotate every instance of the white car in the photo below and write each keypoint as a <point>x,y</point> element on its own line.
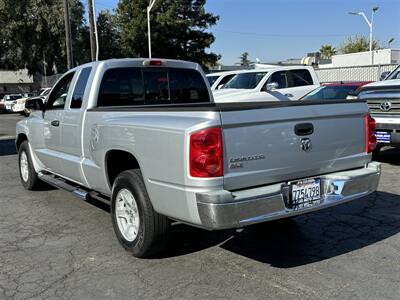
<point>8,101</point>
<point>269,84</point>
<point>218,80</point>
<point>19,106</point>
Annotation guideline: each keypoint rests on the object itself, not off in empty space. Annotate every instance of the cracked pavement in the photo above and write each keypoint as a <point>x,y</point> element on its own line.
<point>53,245</point>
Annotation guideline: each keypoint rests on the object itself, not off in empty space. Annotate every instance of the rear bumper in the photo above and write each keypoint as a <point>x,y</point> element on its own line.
<point>223,209</point>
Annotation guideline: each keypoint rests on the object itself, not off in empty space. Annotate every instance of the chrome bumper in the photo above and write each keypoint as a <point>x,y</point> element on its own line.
<point>223,209</point>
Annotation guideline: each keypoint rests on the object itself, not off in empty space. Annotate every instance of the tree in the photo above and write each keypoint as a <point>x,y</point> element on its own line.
<point>109,38</point>
<point>327,51</point>
<point>33,30</point>
<point>178,30</point>
<point>358,44</point>
<point>244,59</point>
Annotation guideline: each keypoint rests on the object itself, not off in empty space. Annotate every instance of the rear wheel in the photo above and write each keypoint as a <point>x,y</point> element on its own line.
<point>28,175</point>
<point>138,227</point>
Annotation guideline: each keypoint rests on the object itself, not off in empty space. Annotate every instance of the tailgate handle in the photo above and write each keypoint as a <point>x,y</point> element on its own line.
<point>304,129</point>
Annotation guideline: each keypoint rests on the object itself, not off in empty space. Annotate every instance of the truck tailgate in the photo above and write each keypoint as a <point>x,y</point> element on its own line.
<point>263,146</point>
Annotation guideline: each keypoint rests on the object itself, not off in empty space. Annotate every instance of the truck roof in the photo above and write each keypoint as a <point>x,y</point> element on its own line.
<point>139,62</point>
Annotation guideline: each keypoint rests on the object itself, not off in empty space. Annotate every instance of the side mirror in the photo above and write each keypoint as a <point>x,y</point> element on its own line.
<point>220,86</point>
<point>271,86</point>
<point>384,75</point>
<point>34,104</point>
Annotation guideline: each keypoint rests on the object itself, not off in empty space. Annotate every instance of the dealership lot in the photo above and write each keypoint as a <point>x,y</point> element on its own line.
<point>54,245</point>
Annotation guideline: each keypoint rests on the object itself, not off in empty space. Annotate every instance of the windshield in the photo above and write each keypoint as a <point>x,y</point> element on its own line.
<point>395,74</point>
<point>245,80</point>
<point>212,79</point>
<point>12,97</point>
<point>330,93</point>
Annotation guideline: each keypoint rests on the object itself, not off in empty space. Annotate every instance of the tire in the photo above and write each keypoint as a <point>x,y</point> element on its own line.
<point>27,173</point>
<point>148,231</point>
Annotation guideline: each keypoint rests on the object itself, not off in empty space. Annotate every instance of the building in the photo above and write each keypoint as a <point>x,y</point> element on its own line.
<point>378,57</point>
<point>16,82</point>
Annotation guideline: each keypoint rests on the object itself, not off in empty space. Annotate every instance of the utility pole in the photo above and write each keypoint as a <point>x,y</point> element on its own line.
<point>68,44</point>
<point>151,4</point>
<point>91,30</point>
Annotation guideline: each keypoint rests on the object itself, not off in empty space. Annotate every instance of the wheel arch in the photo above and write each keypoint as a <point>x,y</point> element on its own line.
<point>22,137</point>
<point>117,161</point>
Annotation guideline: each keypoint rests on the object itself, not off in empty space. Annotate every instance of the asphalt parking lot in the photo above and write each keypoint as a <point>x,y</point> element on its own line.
<point>53,245</point>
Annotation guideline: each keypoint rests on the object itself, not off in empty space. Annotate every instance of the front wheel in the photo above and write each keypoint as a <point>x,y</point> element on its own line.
<point>28,175</point>
<point>138,227</point>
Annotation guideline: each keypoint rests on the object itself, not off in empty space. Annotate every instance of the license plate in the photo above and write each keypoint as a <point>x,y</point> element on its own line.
<point>383,137</point>
<point>306,193</point>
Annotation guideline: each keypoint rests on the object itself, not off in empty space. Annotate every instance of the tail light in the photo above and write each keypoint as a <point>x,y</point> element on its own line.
<point>370,138</point>
<point>205,153</point>
<point>153,62</point>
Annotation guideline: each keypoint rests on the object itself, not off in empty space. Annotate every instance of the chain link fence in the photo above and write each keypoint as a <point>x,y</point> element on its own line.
<point>359,73</point>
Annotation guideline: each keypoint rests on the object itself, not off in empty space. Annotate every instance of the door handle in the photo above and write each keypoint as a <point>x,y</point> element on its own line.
<point>304,129</point>
<point>55,123</point>
<point>288,95</point>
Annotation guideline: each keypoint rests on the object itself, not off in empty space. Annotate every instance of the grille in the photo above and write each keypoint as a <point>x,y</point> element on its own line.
<point>384,106</point>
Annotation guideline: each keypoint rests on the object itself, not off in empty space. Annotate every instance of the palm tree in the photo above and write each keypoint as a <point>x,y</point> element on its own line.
<point>327,51</point>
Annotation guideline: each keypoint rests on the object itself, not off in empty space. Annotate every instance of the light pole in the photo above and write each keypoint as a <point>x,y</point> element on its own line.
<point>151,4</point>
<point>370,25</point>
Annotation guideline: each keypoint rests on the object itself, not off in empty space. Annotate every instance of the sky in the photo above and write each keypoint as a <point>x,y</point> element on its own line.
<point>273,30</point>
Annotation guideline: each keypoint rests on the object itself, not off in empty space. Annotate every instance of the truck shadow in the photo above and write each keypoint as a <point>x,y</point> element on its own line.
<point>389,156</point>
<point>304,239</point>
<point>7,147</point>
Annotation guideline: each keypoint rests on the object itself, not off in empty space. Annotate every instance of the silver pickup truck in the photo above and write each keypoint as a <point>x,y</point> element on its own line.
<point>146,135</point>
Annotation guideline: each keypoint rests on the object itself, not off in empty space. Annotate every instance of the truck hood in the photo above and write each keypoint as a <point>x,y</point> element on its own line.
<point>239,95</point>
<point>383,83</point>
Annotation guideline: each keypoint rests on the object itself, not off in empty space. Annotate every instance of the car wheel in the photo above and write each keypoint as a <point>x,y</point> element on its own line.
<point>139,229</point>
<point>28,175</point>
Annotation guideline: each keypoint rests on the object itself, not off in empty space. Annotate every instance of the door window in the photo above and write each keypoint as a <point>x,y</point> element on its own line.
<point>80,87</point>
<point>280,78</point>
<point>58,96</point>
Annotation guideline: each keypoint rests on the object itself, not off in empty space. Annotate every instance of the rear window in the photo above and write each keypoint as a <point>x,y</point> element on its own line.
<point>139,86</point>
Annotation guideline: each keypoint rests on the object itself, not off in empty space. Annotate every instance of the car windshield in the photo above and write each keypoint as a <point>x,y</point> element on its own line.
<point>12,97</point>
<point>395,74</point>
<point>330,92</point>
<point>245,80</point>
<point>212,79</point>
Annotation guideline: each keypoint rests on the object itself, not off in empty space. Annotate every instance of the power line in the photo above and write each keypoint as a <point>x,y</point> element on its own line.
<point>283,34</point>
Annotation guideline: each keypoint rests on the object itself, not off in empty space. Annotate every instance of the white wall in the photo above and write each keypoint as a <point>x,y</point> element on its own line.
<point>20,76</point>
<point>381,57</point>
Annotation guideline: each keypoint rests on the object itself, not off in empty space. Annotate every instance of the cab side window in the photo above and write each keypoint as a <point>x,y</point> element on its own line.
<point>80,87</point>
<point>58,96</point>
<point>300,78</point>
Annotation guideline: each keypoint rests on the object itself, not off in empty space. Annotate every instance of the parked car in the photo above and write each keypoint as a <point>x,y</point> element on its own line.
<point>269,84</point>
<point>218,80</point>
<point>19,106</point>
<point>32,103</point>
<point>7,102</point>
<point>335,91</point>
<point>383,98</point>
<point>146,134</point>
